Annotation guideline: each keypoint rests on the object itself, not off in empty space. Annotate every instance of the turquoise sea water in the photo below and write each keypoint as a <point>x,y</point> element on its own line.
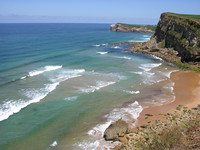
<point>61,85</point>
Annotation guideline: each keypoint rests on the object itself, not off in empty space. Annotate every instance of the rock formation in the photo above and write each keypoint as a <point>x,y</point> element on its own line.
<point>180,32</point>
<point>121,27</point>
<point>116,130</point>
<point>176,40</point>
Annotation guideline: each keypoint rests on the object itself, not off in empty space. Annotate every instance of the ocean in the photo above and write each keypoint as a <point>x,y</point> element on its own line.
<point>62,85</point>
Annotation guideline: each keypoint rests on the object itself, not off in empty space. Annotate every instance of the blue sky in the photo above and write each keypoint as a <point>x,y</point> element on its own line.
<point>93,11</point>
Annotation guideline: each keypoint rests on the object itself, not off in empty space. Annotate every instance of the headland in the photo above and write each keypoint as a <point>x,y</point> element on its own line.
<point>177,41</point>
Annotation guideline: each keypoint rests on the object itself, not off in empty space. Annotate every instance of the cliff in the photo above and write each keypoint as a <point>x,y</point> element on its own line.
<point>180,32</point>
<point>176,40</point>
<point>121,27</point>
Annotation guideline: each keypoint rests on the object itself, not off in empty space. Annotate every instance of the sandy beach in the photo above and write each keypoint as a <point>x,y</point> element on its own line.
<point>187,93</point>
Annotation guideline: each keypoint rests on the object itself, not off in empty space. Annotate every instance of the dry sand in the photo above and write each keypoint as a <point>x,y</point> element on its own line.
<point>187,93</point>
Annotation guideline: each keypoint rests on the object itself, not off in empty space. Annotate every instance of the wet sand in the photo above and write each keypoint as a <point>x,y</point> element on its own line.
<point>187,93</point>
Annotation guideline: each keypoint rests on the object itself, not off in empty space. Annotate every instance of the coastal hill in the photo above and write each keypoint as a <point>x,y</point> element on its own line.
<point>122,27</point>
<point>176,40</point>
<point>181,32</point>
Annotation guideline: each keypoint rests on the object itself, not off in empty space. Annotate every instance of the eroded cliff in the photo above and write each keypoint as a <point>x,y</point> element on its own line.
<point>182,33</point>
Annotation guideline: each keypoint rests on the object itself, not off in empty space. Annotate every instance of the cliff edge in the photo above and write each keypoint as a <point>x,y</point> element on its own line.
<point>180,32</point>
<point>176,40</point>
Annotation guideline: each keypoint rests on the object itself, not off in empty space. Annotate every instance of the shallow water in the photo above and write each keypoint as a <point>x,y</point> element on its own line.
<point>61,85</point>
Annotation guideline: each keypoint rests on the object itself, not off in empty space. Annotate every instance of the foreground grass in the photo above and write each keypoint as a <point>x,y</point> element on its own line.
<point>180,131</point>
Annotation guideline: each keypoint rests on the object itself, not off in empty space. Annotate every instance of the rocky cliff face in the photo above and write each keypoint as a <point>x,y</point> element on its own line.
<point>181,33</point>
<point>120,27</point>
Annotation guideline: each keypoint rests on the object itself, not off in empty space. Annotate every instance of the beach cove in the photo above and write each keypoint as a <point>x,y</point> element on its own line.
<point>62,88</point>
<point>57,94</point>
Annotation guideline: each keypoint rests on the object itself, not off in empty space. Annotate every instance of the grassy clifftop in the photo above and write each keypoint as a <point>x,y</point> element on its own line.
<point>150,27</point>
<point>122,27</point>
<point>190,16</point>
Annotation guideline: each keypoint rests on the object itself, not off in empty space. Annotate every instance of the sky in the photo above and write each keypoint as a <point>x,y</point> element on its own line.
<point>92,11</point>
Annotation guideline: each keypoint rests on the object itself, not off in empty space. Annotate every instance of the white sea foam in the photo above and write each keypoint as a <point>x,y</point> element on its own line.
<point>146,36</point>
<point>171,86</point>
<point>149,81</point>
<point>148,67</point>
<point>10,107</point>
<point>156,57</point>
<point>123,57</point>
<point>102,53</point>
<point>33,95</point>
<point>131,92</point>
<point>37,72</point>
<point>98,45</point>
<point>115,47</point>
<point>71,98</point>
<point>131,111</point>
<point>99,129</point>
<point>46,68</point>
<point>89,145</point>
<point>97,141</point>
<point>98,86</point>
<point>23,77</point>
<point>54,144</point>
<point>168,74</point>
<point>149,73</point>
<point>137,72</point>
<point>104,44</point>
<point>99,144</point>
<point>68,74</point>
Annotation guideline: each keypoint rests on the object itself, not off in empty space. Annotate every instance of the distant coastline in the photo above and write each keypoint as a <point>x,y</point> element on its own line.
<point>176,39</point>
<point>122,27</point>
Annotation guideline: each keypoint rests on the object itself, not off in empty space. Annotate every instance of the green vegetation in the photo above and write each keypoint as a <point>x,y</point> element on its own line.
<point>164,29</point>
<point>186,67</point>
<point>180,131</point>
<point>151,27</point>
<point>176,34</point>
<point>190,21</point>
<point>162,44</point>
<point>188,15</point>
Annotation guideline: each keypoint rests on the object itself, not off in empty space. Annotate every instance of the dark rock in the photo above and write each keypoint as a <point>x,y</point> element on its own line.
<point>154,50</point>
<point>116,130</point>
<point>181,34</point>
<point>148,115</point>
<point>145,48</point>
<point>144,126</point>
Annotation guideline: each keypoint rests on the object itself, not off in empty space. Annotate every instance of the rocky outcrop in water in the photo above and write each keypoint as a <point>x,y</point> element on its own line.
<point>116,130</point>
<point>121,27</point>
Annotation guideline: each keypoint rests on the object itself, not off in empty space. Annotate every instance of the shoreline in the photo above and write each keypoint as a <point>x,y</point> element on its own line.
<point>187,85</point>
<point>186,90</point>
<point>169,55</point>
